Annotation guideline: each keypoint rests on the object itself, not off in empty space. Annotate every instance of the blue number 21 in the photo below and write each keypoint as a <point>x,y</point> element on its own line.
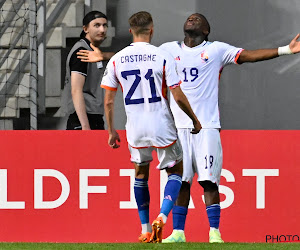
<point>137,80</point>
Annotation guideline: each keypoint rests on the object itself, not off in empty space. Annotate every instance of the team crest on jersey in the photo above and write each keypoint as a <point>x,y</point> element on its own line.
<point>177,58</point>
<point>204,56</point>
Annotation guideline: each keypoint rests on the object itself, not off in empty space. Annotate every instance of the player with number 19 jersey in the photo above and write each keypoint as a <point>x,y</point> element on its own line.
<point>144,71</point>
<point>199,69</point>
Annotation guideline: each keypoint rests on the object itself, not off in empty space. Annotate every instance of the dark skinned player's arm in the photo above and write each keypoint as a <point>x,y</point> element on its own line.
<point>266,54</point>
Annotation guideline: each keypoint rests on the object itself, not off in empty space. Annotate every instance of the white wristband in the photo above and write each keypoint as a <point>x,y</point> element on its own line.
<point>285,50</point>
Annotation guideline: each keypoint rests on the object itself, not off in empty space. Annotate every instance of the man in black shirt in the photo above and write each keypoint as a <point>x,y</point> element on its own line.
<point>83,97</point>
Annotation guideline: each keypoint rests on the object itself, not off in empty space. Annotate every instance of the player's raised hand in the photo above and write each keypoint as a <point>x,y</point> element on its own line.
<point>90,56</point>
<point>197,128</point>
<point>295,45</point>
<point>113,139</point>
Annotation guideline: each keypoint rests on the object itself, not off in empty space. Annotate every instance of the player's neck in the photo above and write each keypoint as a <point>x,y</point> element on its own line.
<point>145,39</point>
<point>193,41</point>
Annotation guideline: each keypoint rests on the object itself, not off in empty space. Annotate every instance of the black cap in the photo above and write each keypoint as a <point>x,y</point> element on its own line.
<point>90,17</point>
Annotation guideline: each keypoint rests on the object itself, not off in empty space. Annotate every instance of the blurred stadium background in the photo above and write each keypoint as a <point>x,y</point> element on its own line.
<point>36,35</point>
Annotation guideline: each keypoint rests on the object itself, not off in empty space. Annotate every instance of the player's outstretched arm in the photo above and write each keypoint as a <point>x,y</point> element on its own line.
<point>94,56</point>
<point>184,104</point>
<point>266,54</point>
<point>109,99</point>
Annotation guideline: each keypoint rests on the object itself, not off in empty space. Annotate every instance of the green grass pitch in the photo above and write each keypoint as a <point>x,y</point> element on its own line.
<point>129,246</point>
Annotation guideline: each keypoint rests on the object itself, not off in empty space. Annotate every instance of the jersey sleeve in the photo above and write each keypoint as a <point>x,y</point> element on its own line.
<point>171,75</point>
<point>164,47</point>
<point>168,47</point>
<point>230,54</point>
<point>76,65</point>
<point>110,80</point>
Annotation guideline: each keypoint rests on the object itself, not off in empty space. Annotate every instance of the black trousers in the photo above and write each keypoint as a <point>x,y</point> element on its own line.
<point>95,120</point>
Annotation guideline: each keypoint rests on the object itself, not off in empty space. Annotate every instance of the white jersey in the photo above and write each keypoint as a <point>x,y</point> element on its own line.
<point>144,72</point>
<point>199,69</point>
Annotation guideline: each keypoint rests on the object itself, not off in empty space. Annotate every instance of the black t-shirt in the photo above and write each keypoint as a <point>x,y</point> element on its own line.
<point>76,64</point>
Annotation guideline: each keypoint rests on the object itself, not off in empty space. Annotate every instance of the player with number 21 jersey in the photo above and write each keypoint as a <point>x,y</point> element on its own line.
<point>144,73</point>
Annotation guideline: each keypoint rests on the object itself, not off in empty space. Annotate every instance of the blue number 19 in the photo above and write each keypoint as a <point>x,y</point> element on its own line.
<point>193,72</point>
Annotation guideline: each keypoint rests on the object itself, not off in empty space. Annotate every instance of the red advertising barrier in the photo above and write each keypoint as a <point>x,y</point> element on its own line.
<point>69,186</point>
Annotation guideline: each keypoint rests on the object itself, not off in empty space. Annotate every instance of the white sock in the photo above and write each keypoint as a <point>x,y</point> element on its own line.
<point>213,228</point>
<point>164,217</point>
<point>146,228</point>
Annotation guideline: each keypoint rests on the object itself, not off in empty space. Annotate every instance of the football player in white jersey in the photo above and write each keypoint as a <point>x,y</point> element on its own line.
<point>144,71</point>
<point>199,64</point>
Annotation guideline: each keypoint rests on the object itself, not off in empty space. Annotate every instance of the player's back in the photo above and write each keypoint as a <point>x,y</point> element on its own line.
<point>141,71</point>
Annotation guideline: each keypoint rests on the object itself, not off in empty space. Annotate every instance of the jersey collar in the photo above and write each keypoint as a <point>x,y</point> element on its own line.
<point>183,46</point>
<point>137,43</point>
